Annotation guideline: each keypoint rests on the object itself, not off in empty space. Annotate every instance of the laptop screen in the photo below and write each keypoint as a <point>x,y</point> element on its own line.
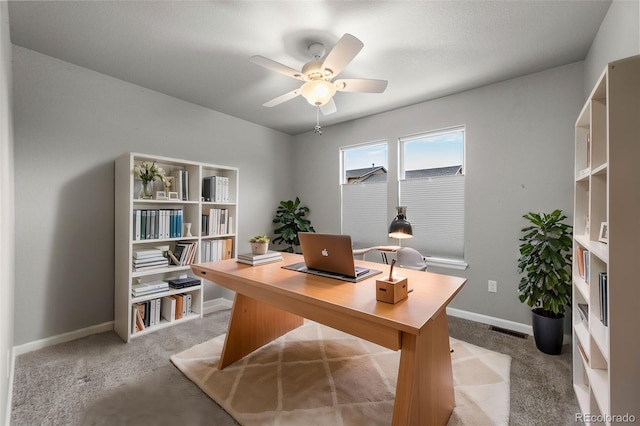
<point>328,253</point>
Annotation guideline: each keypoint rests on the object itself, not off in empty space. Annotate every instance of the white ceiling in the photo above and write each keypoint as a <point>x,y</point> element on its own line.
<point>199,51</point>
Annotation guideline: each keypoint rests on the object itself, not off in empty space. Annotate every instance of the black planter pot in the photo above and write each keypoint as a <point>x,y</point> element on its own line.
<point>548,332</point>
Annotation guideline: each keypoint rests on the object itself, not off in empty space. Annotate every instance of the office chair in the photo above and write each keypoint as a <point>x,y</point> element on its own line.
<point>410,258</point>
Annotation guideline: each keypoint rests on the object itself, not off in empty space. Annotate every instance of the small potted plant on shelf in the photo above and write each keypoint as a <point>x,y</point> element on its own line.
<point>545,259</point>
<point>259,244</point>
<point>148,173</point>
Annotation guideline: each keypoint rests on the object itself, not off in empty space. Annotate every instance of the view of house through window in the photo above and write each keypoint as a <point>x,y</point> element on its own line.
<point>432,154</point>
<point>430,182</point>
<point>365,163</point>
<point>364,193</point>
<point>432,187</point>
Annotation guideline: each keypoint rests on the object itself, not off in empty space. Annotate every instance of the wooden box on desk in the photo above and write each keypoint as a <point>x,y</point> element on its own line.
<point>391,291</point>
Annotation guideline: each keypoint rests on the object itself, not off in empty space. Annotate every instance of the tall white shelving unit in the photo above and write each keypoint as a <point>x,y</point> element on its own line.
<point>127,201</point>
<point>606,341</point>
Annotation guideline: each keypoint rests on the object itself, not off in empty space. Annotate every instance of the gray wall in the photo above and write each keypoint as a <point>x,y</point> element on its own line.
<point>6,216</point>
<point>519,158</point>
<point>617,38</point>
<point>70,125</point>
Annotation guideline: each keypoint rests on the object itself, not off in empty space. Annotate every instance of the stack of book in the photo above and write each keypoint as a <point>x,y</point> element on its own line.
<point>144,260</point>
<point>259,259</point>
<point>149,288</point>
<point>184,253</point>
<point>184,282</point>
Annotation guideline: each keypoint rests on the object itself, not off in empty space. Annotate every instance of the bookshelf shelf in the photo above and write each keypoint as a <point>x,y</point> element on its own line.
<point>606,347</point>
<point>152,224</point>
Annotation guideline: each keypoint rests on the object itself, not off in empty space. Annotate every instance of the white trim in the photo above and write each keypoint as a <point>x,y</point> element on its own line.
<point>219,304</point>
<point>441,262</point>
<point>486,319</point>
<point>208,307</point>
<point>62,338</point>
<point>12,363</point>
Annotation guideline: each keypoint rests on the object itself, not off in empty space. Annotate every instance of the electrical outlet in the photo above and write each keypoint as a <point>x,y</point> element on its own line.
<point>493,286</point>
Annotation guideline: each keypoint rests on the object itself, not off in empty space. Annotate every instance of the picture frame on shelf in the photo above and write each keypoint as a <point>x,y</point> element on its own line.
<point>603,237</point>
<point>161,195</point>
<point>173,196</point>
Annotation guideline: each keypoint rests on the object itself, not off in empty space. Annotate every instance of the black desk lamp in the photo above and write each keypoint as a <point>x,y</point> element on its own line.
<point>400,228</point>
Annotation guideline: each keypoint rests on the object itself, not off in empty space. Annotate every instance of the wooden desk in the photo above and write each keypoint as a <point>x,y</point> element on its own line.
<point>270,301</point>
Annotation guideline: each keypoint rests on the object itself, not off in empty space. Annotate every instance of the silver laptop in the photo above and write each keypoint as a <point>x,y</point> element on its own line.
<point>329,255</point>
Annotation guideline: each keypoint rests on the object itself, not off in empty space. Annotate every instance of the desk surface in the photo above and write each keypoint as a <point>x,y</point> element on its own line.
<point>431,292</point>
<point>271,301</point>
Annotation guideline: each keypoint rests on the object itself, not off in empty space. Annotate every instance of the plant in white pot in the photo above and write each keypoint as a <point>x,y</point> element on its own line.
<point>545,259</point>
<point>259,244</point>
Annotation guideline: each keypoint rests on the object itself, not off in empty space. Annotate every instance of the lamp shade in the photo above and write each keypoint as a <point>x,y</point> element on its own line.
<point>400,227</point>
<point>318,92</point>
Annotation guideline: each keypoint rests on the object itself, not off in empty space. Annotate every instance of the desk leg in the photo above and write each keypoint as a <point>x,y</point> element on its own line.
<point>424,393</point>
<point>254,324</point>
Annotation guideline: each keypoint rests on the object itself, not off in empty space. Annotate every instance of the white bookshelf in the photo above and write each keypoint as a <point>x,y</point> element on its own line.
<point>127,201</point>
<point>606,374</point>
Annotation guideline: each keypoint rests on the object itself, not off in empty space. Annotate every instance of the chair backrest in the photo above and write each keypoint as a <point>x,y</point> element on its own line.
<point>410,258</point>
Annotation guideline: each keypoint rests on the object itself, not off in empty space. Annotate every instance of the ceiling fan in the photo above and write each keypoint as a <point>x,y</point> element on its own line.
<point>318,88</point>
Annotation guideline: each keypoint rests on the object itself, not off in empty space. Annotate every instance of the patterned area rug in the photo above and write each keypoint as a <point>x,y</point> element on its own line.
<point>316,375</point>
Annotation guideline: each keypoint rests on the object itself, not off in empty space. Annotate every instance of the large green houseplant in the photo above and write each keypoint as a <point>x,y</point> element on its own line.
<point>545,259</point>
<point>291,218</point>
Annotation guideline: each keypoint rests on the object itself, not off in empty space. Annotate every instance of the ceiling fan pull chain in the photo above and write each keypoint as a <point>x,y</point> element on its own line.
<point>318,129</point>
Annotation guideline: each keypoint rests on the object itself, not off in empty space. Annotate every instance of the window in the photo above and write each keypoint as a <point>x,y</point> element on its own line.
<point>432,188</point>
<point>364,193</point>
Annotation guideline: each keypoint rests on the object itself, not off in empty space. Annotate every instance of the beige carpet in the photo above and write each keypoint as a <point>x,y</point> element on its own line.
<point>316,375</point>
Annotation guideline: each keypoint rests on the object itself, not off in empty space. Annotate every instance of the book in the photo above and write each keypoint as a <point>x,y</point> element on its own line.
<point>580,258</point>
<point>604,296</point>
<point>178,299</point>
<point>148,288</point>
<point>152,313</point>
<point>142,254</point>
<point>584,354</point>
<point>184,282</point>
<point>139,316</point>
<point>259,262</point>
<point>136,224</point>
<point>168,308</point>
<point>268,255</point>
<point>150,267</point>
<point>148,260</point>
<point>583,309</point>
<point>186,304</point>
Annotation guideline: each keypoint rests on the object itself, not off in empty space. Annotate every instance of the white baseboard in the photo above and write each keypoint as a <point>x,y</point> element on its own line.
<point>208,307</point>
<point>486,319</point>
<point>215,305</point>
<point>12,363</point>
<point>498,322</point>
<point>62,338</point>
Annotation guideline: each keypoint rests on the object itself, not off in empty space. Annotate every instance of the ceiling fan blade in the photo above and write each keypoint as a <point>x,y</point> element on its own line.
<point>329,107</point>
<point>282,98</point>
<point>361,85</point>
<point>342,53</point>
<point>277,67</point>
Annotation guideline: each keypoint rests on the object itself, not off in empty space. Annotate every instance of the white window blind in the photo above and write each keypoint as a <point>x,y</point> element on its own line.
<point>364,213</point>
<point>435,209</point>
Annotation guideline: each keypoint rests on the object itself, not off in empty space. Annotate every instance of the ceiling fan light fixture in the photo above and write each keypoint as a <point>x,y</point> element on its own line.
<point>318,92</point>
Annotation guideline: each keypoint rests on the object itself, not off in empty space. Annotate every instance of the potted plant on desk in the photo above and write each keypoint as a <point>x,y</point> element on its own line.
<point>545,258</point>
<point>259,244</point>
